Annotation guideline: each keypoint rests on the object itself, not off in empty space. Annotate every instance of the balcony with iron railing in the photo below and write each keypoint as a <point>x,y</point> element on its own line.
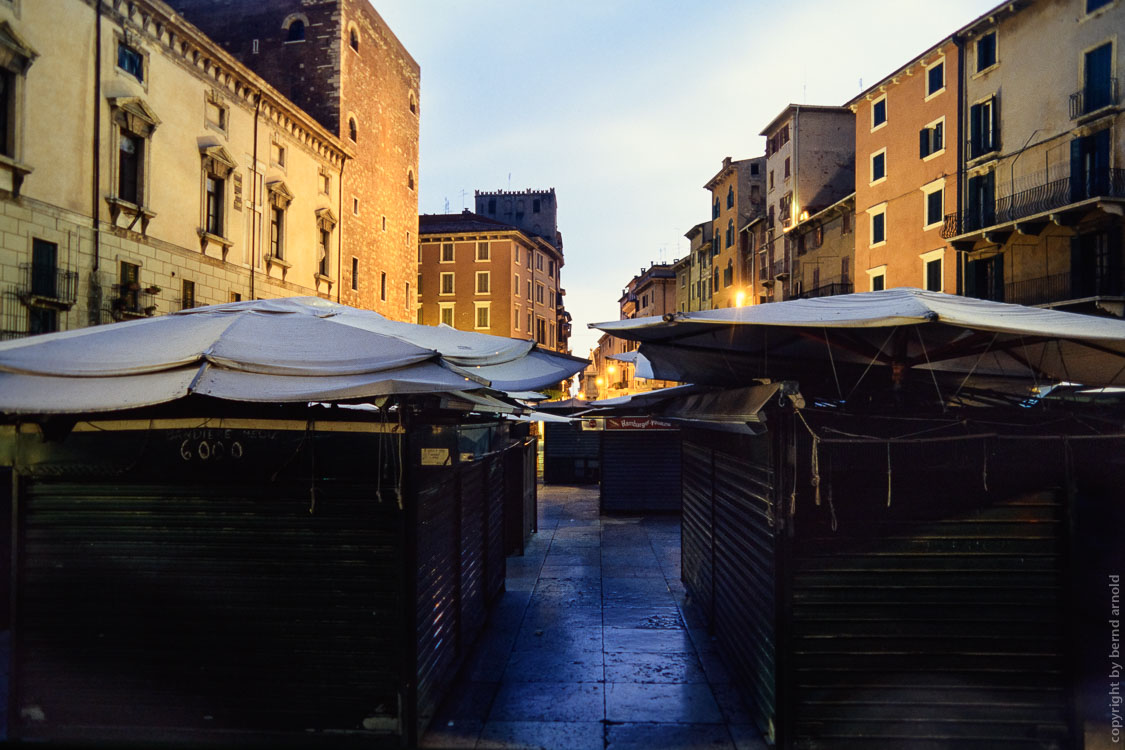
<point>1093,97</point>
<point>131,301</point>
<point>48,285</point>
<point>1040,199</point>
<point>1060,288</point>
<point>827,290</point>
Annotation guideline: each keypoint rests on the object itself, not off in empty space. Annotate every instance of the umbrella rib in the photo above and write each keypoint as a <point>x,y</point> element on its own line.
<point>868,368</point>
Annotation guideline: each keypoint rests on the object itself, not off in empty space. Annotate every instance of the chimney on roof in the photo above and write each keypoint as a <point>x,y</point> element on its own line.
<point>465,212</point>
<point>726,162</point>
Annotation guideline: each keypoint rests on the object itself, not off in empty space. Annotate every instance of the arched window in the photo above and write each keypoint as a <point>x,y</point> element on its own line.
<point>730,233</point>
<point>352,128</point>
<point>413,103</point>
<point>730,197</point>
<point>296,31</point>
<point>410,179</point>
<point>353,38</point>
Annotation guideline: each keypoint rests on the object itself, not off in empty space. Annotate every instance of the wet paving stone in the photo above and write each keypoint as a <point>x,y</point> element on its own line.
<point>669,737</point>
<point>630,570</point>
<point>578,591</point>
<point>651,585</point>
<point>656,616</point>
<point>548,701</point>
<point>546,665</point>
<point>663,667</point>
<point>594,645</point>
<point>541,615</point>
<point>647,640</point>
<point>561,639</point>
<point>548,735</point>
<point>571,571</point>
<point>625,598</point>
<point>574,556</point>
<point>680,703</point>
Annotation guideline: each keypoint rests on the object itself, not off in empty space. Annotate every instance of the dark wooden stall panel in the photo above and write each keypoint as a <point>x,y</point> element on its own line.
<point>933,614</point>
<point>640,470</point>
<point>224,606</point>
<point>729,553</point>
<point>267,584</point>
<point>571,455</point>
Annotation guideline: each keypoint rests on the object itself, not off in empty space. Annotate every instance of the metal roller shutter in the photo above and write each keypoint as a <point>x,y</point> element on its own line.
<point>932,616</point>
<point>640,471</point>
<point>494,566</point>
<point>472,534</point>
<point>224,607</point>
<point>437,607</point>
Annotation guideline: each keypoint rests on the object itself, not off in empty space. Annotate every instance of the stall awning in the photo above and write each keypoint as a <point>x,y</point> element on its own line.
<point>836,340</point>
<point>281,350</point>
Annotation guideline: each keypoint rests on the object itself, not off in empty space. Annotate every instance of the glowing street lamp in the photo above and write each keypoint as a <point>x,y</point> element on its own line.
<point>740,299</point>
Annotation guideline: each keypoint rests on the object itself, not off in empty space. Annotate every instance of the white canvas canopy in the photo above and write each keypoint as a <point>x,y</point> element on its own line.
<point>838,340</point>
<point>284,350</point>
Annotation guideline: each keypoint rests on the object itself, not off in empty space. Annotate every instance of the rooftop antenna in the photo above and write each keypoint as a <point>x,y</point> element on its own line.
<point>509,181</point>
<point>861,84</point>
<point>805,84</point>
<point>463,194</point>
<point>447,204</point>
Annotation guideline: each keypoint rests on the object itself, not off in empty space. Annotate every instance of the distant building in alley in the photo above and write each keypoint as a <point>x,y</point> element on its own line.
<point>907,142</point>
<point>339,61</point>
<point>651,293</point>
<point>810,165</point>
<point>824,251</point>
<point>479,274</point>
<point>693,271</point>
<point>737,194</point>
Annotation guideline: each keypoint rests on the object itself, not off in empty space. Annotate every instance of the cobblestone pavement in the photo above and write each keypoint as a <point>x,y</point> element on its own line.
<point>590,646</point>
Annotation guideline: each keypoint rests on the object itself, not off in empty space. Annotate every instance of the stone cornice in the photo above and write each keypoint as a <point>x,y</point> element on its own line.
<point>159,24</point>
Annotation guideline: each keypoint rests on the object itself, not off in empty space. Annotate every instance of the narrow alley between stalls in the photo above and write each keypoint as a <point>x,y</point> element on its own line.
<point>592,646</point>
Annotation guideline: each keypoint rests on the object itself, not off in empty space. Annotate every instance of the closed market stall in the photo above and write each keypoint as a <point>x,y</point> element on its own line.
<point>571,452</point>
<point>278,522</point>
<point>914,539</point>
<point>195,576</point>
<point>640,465</point>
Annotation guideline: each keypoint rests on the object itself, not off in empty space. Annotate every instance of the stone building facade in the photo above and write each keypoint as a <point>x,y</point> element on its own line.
<point>654,292</point>
<point>810,164</point>
<point>534,211</point>
<point>339,61</point>
<point>697,273</point>
<point>1042,178</point>
<point>824,251</point>
<point>478,274</point>
<point>907,141</point>
<point>146,170</point>
<point>737,194</point>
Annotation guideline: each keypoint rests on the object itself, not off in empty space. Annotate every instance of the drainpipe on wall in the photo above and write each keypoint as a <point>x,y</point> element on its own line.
<point>340,238</point>
<point>254,193</point>
<point>795,201</point>
<point>94,297</point>
<point>959,41</point>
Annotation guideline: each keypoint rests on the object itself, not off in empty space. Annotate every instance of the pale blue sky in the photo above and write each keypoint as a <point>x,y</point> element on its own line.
<point>627,108</point>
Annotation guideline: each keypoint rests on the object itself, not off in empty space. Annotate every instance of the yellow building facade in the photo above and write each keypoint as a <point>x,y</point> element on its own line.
<point>146,171</point>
